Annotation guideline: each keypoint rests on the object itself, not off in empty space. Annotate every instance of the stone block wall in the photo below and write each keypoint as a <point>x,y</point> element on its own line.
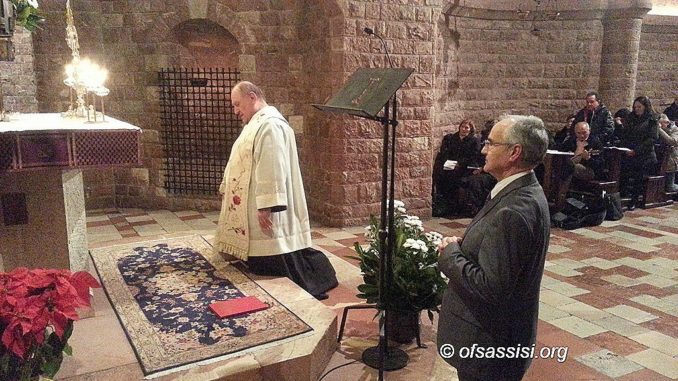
<point>17,78</point>
<point>658,60</point>
<point>496,62</point>
<point>355,174</point>
<point>317,67</point>
<point>477,59</point>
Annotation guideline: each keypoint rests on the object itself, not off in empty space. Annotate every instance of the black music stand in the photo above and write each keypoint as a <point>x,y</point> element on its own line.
<point>365,93</point>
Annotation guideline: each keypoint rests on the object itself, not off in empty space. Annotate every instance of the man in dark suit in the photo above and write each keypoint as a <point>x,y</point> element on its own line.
<point>489,310</point>
<point>597,116</point>
<point>587,163</point>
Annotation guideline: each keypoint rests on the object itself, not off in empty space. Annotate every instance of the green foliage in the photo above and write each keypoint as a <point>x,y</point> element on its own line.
<point>27,14</point>
<point>44,359</point>
<point>417,283</point>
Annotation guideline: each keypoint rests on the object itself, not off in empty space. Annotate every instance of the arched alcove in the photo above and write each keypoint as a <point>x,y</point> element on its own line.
<point>207,44</point>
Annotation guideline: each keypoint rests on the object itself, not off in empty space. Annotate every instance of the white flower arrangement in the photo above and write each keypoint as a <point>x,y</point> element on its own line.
<point>417,282</point>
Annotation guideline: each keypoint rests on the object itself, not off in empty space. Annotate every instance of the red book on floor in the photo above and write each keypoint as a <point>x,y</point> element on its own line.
<point>235,307</point>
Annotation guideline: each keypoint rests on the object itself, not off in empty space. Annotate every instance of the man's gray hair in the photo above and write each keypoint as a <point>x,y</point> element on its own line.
<point>530,133</point>
<point>582,123</point>
<point>246,87</point>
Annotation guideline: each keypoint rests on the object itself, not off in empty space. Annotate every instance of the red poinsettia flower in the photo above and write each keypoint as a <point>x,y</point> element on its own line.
<point>236,200</point>
<point>31,301</point>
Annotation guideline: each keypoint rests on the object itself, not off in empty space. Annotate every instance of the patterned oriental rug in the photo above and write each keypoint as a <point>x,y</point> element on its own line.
<point>161,291</point>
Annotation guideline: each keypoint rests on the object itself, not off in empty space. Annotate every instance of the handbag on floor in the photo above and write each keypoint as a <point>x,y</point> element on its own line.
<point>580,211</point>
<point>613,207</point>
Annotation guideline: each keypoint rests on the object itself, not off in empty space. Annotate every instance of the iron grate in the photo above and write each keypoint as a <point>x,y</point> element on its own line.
<point>198,127</point>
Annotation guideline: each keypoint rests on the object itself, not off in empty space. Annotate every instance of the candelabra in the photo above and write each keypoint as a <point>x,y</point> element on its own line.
<point>83,77</point>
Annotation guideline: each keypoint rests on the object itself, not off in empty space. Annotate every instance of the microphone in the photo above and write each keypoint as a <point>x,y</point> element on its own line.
<point>370,32</point>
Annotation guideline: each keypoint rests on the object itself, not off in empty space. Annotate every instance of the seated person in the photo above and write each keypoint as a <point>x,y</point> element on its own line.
<point>487,127</point>
<point>562,132</point>
<point>587,162</point>
<point>672,111</point>
<point>460,151</point>
<point>668,134</point>
<point>477,187</point>
<point>556,138</point>
<point>597,116</point>
<point>619,117</point>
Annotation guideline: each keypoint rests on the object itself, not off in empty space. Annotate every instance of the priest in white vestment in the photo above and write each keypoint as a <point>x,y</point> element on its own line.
<point>264,220</point>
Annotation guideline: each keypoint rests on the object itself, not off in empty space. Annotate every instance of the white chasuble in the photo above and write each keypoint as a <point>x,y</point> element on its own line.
<point>263,172</point>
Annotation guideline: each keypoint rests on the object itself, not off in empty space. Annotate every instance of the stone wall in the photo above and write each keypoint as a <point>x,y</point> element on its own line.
<point>658,60</point>
<point>408,29</point>
<point>134,40</point>
<point>501,62</point>
<point>318,68</point>
<point>17,78</point>
<point>477,58</point>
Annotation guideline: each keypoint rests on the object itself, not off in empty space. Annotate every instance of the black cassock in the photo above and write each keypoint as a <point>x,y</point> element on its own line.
<point>308,268</point>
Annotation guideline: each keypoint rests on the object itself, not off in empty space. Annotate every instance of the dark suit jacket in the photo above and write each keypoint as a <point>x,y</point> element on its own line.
<point>492,298</point>
<point>600,121</point>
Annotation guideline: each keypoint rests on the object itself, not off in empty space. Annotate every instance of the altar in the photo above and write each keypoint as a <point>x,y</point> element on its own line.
<point>42,204</point>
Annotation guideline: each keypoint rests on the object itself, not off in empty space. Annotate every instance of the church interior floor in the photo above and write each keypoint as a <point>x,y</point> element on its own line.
<point>609,294</point>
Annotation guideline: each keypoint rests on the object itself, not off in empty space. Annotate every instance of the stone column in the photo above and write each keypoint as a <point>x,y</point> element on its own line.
<point>619,56</point>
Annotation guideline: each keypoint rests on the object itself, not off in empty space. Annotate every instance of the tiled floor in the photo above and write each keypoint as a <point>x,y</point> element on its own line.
<point>609,294</point>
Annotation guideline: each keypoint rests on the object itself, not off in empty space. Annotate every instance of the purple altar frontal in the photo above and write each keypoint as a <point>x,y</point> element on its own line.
<point>34,141</point>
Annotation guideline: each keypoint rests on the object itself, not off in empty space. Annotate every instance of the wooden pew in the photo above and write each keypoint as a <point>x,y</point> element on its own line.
<point>610,184</point>
<point>654,194</point>
<point>552,183</point>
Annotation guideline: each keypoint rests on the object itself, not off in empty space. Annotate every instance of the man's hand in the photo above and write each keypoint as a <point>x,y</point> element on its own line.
<point>265,222</point>
<point>446,241</point>
<point>586,155</point>
<point>581,147</point>
<point>631,153</point>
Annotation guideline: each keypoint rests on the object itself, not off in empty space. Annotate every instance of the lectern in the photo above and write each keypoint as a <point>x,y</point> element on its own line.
<point>366,93</point>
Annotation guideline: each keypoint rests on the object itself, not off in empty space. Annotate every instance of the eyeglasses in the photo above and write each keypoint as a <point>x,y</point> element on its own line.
<point>489,143</point>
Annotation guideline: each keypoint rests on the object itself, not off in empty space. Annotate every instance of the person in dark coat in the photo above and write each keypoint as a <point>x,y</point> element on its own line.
<point>462,147</point>
<point>476,188</point>
<point>562,133</point>
<point>668,134</point>
<point>587,162</point>
<point>672,111</point>
<point>495,270</point>
<point>619,118</point>
<point>639,133</point>
<point>598,117</point>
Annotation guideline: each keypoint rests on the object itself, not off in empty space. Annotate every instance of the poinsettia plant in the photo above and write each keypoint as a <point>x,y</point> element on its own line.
<point>37,310</point>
